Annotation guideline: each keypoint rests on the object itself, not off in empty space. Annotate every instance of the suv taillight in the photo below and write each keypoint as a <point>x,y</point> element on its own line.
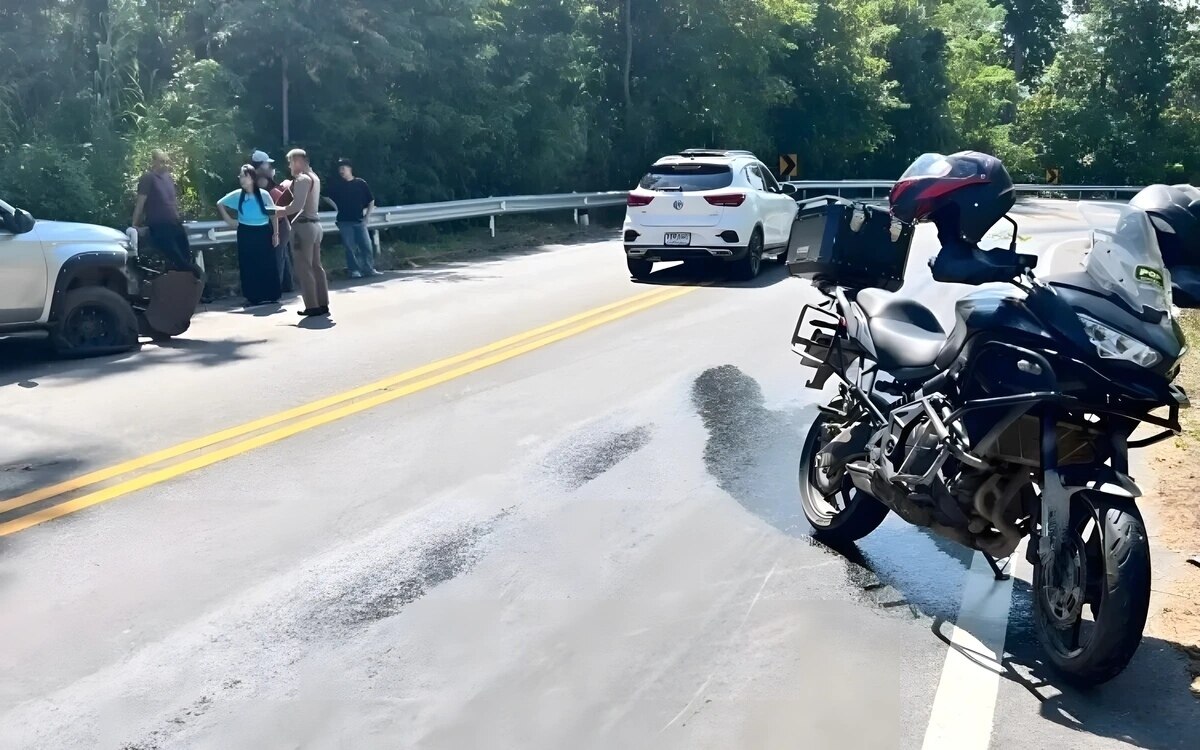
<point>639,200</point>
<point>728,200</point>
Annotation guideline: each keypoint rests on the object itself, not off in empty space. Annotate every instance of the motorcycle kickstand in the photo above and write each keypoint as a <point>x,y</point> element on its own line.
<point>995,566</point>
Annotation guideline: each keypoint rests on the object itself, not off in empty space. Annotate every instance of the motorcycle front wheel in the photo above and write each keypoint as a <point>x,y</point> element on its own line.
<point>840,516</point>
<point>1090,641</point>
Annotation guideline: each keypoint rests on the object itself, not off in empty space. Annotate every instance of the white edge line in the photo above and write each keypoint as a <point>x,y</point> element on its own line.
<point>964,707</point>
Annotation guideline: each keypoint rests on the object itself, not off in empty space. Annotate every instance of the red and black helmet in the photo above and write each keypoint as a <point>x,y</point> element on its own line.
<point>969,188</point>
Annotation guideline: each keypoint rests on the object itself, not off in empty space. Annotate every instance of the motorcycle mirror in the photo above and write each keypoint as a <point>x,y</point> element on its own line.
<point>1012,245</point>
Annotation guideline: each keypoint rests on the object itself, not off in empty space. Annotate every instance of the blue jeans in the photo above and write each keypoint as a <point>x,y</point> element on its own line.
<point>360,253</point>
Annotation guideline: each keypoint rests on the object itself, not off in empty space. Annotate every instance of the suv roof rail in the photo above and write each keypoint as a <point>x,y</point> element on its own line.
<point>714,152</point>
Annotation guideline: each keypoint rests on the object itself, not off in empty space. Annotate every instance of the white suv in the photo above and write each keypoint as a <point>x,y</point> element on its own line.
<point>708,205</point>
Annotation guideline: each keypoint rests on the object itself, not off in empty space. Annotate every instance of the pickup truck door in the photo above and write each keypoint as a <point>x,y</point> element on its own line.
<point>23,283</point>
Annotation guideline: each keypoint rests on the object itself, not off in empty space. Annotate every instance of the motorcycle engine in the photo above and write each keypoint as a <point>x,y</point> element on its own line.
<point>906,446</point>
<point>920,449</point>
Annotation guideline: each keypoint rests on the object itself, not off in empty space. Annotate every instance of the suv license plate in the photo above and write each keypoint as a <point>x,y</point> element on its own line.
<point>677,238</point>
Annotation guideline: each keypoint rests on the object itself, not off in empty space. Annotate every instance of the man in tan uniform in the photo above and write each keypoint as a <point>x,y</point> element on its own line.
<point>306,235</point>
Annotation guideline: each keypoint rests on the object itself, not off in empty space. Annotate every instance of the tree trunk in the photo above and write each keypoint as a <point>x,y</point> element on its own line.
<point>287,137</point>
<point>628,72</point>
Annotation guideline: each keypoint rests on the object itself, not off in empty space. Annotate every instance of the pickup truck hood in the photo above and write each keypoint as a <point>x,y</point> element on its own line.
<point>59,232</point>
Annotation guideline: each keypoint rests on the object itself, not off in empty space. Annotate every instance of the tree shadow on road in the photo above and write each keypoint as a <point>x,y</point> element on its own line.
<point>24,363</point>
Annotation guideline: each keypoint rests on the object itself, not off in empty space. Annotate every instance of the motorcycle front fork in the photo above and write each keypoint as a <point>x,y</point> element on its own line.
<point>1055,505</point>
<point>1053,538</point>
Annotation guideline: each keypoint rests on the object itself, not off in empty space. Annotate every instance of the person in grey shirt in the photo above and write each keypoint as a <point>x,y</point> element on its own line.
<point>306,234</point>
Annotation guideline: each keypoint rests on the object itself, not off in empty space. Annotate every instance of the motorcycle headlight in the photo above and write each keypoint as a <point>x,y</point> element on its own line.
<point>1112,344</point>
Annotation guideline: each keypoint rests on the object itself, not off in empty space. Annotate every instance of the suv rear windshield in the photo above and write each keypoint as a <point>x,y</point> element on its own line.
<point>687,177</point>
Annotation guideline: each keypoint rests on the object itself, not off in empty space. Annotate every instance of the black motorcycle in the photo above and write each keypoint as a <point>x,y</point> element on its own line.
<point>1015,424</point>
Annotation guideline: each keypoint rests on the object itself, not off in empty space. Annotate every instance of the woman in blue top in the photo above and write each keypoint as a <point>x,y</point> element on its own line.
<point>257,235</point>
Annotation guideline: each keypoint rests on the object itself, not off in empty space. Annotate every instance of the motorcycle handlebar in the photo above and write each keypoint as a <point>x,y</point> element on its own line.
<point>966,263</point>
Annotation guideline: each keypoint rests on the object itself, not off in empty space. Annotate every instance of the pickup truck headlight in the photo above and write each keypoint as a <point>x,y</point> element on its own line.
<point>1112,344</point>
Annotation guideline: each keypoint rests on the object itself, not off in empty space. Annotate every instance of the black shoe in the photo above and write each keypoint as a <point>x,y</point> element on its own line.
<point>309,312</point>
<point>323,310</point>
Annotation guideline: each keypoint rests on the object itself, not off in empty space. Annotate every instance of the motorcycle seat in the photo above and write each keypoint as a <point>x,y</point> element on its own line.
<point>906,334</point>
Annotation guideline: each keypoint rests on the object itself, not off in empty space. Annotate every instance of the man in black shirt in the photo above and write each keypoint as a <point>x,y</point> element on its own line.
<point>352,197</point>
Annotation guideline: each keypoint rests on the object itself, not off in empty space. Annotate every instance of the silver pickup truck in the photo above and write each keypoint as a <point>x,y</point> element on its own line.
<point>78,284</point>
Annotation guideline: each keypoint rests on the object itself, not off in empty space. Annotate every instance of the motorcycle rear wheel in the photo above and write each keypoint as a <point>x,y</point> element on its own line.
<point>1110,552</point>
<point>843,516</point>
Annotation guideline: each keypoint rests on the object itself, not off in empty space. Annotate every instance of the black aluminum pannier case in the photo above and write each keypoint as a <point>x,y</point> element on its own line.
<point>824,248</point>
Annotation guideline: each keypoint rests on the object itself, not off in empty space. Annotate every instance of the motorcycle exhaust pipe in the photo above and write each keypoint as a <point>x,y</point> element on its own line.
<point>860,476</point>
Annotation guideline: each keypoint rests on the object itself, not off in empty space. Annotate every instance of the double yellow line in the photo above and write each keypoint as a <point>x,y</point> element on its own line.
<point>210,449</point>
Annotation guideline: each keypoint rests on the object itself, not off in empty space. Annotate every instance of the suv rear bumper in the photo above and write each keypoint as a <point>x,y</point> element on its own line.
<point>657,253</point>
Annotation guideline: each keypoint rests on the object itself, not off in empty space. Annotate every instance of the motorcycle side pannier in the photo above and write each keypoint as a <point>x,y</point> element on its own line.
<point>836,241</point>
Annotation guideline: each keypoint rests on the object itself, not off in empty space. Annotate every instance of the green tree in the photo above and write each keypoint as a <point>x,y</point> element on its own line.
<point>1100,113</point>
<point>984,95</point>
<point>1032,32</point>
<point>836,77</point>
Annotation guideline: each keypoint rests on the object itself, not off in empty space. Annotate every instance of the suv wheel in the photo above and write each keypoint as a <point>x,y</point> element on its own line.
<point>747,268</point>
<point>94,320</point>
<point>639,269</point>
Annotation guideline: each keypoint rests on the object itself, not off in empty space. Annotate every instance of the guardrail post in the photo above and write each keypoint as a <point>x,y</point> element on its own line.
<point>492,225</point>
<point>378,247</point>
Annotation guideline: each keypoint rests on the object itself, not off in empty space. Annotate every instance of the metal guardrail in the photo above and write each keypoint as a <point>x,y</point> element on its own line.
<point>869,187</point>
<point>204,234</point>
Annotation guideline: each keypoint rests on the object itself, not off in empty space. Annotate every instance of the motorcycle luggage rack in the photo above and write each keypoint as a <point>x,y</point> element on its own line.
<point>815,348</point>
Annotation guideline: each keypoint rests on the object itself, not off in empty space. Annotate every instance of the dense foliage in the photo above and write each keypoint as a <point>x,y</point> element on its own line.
<point>440,99</point>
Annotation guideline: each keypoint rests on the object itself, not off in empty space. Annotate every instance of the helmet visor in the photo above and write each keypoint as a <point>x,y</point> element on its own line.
<point>928,165</point>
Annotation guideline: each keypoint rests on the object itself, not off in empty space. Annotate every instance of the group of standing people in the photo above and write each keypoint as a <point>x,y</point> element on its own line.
<point>278,228</point>
<point>278,222</point>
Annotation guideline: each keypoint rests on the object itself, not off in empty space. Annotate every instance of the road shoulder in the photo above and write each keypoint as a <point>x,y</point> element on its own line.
<point>1173,517</point>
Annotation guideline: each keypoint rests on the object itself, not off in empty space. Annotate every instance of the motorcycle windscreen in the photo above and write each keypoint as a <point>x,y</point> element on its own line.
<point>1125,260</point>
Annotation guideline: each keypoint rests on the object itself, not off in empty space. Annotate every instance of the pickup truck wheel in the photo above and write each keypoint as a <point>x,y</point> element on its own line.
<point>94,320</point>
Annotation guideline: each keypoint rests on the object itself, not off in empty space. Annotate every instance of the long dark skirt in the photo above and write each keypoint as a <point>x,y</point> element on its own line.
<point>256,262</point>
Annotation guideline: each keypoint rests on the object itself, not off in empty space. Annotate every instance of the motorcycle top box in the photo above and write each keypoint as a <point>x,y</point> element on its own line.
<point>853,245</point>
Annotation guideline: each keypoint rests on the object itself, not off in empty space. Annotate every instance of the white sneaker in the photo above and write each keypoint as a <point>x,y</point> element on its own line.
<point>376,273</point>
<point>355,275</point>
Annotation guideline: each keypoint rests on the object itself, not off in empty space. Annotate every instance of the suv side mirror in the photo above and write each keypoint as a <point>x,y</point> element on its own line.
<point>787,188</point>
<point>18,222</point>
<point>24,221</point>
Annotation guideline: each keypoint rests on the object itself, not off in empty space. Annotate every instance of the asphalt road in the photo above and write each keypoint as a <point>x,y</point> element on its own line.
<point>582,532</point>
